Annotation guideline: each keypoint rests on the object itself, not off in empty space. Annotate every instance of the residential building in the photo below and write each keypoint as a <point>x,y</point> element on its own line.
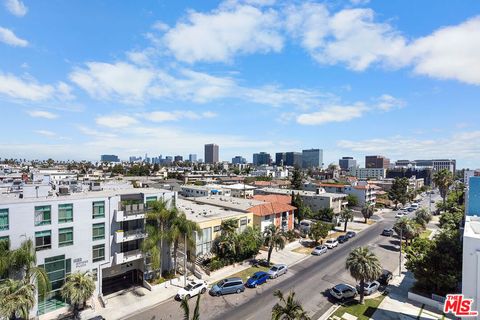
<point>438,164</point>
<point>280,158</point>
<point>368,173</point>
<point>96,231</point>
<point>424,173</point>
<point>261,159</point>
<point>472,201</point>
<point>377,162</point>
<point>346,163</point>
<point>211,153</point>
<point>203,191</point>
<point>239,160</point>
<point>386,184</point>
<point>240,190</point>
<point>192,157</point>
<point>471,261</point>
<point>272,172</point>
<point>109,158</point>
<point>364,192</point>
<point>293,159</point>
<point>312,158</point>
<point>178,159</point>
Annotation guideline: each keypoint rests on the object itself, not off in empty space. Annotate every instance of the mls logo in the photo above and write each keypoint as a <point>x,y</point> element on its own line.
<point>459,306</point>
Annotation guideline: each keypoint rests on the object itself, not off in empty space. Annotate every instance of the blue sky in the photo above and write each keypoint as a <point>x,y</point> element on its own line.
<point>83,78</point>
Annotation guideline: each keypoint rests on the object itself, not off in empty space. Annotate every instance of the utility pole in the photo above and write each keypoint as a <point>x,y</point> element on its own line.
<point>400,255</point>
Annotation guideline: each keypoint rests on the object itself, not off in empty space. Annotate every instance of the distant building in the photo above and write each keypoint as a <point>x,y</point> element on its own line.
<point>346,163</point>
<point>178,159</point>
<point>438,164</point>
<point>293,159</point>
<point>399,172</point>
<point>368,173</point>
<point>134,159</point>
<point>192,158</point>
<point>280,158</point>
<point>377,162</point>
<point>312,158</point>
<point>168,159</point>
<point>109,158</point>
<point>261,158</point>
<point>211,153</point>
<point>239,160</point>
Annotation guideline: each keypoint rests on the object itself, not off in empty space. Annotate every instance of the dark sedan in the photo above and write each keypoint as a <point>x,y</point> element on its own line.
<point>342,239</point>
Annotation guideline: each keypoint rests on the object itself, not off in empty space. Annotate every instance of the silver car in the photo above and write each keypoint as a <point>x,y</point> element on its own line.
<point>369,287</point>
<point>319,250</point>
<point>343,291</point>
<point>277,270</point>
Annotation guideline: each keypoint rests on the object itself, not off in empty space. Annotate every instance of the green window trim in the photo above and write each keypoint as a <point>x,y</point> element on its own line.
<point>98,231</point>
<point>65,213</point>
<point>98,209</point>
<point>65,237</point>
<point>98,252</point>
<point>43,215</point>
<point>4,223</point>
<point>43,240</point>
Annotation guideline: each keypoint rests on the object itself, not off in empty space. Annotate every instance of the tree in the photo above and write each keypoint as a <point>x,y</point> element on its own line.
<point>17,297</point>
<point>319,230</point>
<point>226,246</point>
<point>443,179</point>
<point>78,288</point>
<point>451,220</point>
<point>422,217</point>
<point>398,191</point>
<point>352,200</point>
<point>367,212</point>
<point>408,228</point>
<point>346,214</point>
<point>364,266</point>
<point>186,309</point>
<point>297,181</point>
<point>250,242</point>
<point>326,214</point>
<point>274,239</point>
<point>180,229</point>
<point>288,308</point>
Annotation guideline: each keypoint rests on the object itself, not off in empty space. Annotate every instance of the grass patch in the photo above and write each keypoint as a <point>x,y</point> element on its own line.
<point>425,234</point>
<point>245,274</point>
<point>303,250</point>
<point>361,311</point>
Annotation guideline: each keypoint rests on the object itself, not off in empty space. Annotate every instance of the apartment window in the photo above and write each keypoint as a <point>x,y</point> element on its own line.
<point>98,231</point>
<point>98,209</point>
<point>98,252</point>
<point>267,217</point>
<point>65,237</point>
<point>65,213</point>
<point>150,200</point>
<point>43,240</point>
<point>216,229</point>
<point>43,215</point>
<point>3,219</point>
<point>95,274</point>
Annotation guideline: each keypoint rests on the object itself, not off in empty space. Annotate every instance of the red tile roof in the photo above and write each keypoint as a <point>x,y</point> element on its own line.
<point>331,185</point>
<point>273,198</point>
<point>270,208</point>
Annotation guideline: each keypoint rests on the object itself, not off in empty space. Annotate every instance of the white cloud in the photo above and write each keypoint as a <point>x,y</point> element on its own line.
<point>45,133</point>
<point>8,37</point>
<point>335,113</point>
<point>42,114</point>
<point>387,102</point>
<point>25,89</point>
<point>162,116</point>
<point>220,35</point>
<point>116,121</point>
<point>16,7</point>
<point>120,80</point>
<point>360,2</point>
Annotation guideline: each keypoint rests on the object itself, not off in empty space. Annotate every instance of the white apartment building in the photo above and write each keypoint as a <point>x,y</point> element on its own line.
<point>96,231</point>
<point>240,190</point>
<point>204,191</point>
<point>471,261</point>
<point>365,193</point>
<point>368,173</point>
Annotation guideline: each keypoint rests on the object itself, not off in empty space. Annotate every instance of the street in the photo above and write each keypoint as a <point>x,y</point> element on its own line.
<point>310,280</point>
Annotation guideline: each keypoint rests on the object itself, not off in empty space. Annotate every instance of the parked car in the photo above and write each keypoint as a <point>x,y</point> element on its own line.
<point>192,289</point>
<point>411,209</point>
<point>369,287</point>
<point>385,277</point>
<point>226,286</point>
<point>277,270</point>
<point>319,250</point>
<point>331,243</point>
<point>342,239</point>
<point>351,234</point>
<point>400,214</point>
<point>387,232</point>
<point>257,279</point>
<point>343,291</point>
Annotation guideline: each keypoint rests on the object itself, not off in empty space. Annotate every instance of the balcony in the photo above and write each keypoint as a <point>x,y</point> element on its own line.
<point>124,236</point>
<point>127,212</point>
<point>123,257</point>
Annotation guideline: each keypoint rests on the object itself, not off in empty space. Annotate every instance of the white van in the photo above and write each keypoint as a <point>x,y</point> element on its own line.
<point>414,205</point>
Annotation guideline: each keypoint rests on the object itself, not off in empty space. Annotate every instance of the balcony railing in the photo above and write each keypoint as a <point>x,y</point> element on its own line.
<point>128,212</point>
<point>123,236</point>
<point>123,257</point>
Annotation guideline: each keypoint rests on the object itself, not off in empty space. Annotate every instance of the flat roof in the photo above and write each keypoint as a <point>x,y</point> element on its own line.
<point>472,227</point>
<point>200,212</point>
<point>304,193</point>
<point>232,203</point>
<point>238,186</point>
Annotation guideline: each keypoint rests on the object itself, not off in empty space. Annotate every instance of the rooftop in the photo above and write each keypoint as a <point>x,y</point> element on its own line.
<point>232,203</point>
<point>200,212</point>
<point>472,227</point>
<point>285,199</point>
<point>304,193</point>
<point>238,186</point>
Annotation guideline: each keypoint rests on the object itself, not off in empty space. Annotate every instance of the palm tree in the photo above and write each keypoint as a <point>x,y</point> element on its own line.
<point>186,309</point>
<point>78,288</point>
<point>443,179</point>
<point>367,211</point>
<point>17,297</point>
<point>289,308</point>
<point>346,214</point>
<point>229,226</point>
<point>180,228</point>
<point>364,266</point>
<point>274,238</point>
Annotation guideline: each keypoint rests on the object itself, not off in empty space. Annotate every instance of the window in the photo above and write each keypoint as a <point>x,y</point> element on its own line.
<point>43,240</point>
<point>65,213</point>
<point>216,229</point>
<point>3,219</point>
<point>98,231</point>
<point>95,274</point>
<point>43,215</point>
<point>243,221</point>
<point>98,209</point>
<point>65,237</point>
<point>98,252</point>
<point>150,200</point>
<point>267,217</point>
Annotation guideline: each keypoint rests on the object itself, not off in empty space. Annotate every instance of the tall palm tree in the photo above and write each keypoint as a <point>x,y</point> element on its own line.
<point>180,228</point>
<point>346,214</point>
<point>186,309</point>
<point>367,211</point>
<point>78,288</point>
<point>229,226</point>
<point>364,266</point>
<point>289,308</point>
<point>16,299</point>
<point>274,239</point>
<point>443,179</point>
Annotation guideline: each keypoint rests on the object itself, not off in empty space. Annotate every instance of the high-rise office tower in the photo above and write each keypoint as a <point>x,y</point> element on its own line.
<point>211,153</point>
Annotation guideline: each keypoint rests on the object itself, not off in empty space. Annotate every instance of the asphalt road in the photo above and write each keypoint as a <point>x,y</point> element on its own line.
<point>310,280</point>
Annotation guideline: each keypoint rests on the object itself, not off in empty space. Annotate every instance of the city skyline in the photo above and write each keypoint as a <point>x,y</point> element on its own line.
<point>155,88</point>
